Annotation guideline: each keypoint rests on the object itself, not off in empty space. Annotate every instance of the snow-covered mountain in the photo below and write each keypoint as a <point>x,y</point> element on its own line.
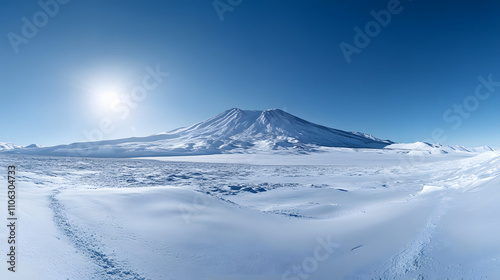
<point>8,146</point>
<point>437,148</point>
<point>239,131</point>
<point>274,129</point>
<point>233,131</point>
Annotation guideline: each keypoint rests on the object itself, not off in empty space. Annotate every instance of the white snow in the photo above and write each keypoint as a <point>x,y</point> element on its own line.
<point>427,189</point>
<point>424,147</point>
<point>254,195</point>
<point>237,131</point>
<point>342,214</point>
<point>233,131</point>
<point>8,146</point>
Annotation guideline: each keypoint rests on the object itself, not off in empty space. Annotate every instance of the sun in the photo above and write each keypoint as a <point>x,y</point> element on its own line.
<point>104,90</point>
<point>107,98</point>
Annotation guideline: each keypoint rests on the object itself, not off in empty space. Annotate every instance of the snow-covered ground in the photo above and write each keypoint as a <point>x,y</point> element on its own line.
<point>340,214</point>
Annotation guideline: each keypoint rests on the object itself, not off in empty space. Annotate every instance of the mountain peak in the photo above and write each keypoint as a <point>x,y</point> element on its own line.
<point>275,110</point>
<point>234,110</point>
<point>277,128</point>
<point>253,112</point>
<point>238,112</point>
<point>277,113</point>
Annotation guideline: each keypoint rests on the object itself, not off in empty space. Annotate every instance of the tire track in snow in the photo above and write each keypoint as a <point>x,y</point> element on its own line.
<point>111,269</point>
<point>408,263</point>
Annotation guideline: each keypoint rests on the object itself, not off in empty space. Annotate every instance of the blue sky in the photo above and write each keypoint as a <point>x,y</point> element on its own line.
<point>74,71</point>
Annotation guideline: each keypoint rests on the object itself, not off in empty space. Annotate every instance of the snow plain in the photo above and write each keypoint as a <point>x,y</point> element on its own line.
<point>339,214</point>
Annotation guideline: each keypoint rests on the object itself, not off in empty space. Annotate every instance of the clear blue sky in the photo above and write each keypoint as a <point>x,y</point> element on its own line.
<point>264,54</point>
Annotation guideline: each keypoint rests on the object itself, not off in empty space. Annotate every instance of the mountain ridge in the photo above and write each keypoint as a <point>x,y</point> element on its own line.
<point>232,131</point>
<point>238,131</point>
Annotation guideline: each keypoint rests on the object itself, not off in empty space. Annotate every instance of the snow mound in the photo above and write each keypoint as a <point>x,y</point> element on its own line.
<point>428,189</point>
<point>32,146</point>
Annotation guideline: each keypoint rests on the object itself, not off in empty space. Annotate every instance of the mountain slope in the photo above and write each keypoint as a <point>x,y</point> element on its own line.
<point>233,131</point>
<point>8,146</point>
<point>277,128</point>
<point>437,148</point>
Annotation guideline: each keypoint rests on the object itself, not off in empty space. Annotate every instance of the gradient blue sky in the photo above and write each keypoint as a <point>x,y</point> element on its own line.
<point>265,54</point>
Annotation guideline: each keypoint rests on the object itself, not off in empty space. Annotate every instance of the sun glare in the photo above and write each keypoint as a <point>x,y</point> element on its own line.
<point>108,98</point>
